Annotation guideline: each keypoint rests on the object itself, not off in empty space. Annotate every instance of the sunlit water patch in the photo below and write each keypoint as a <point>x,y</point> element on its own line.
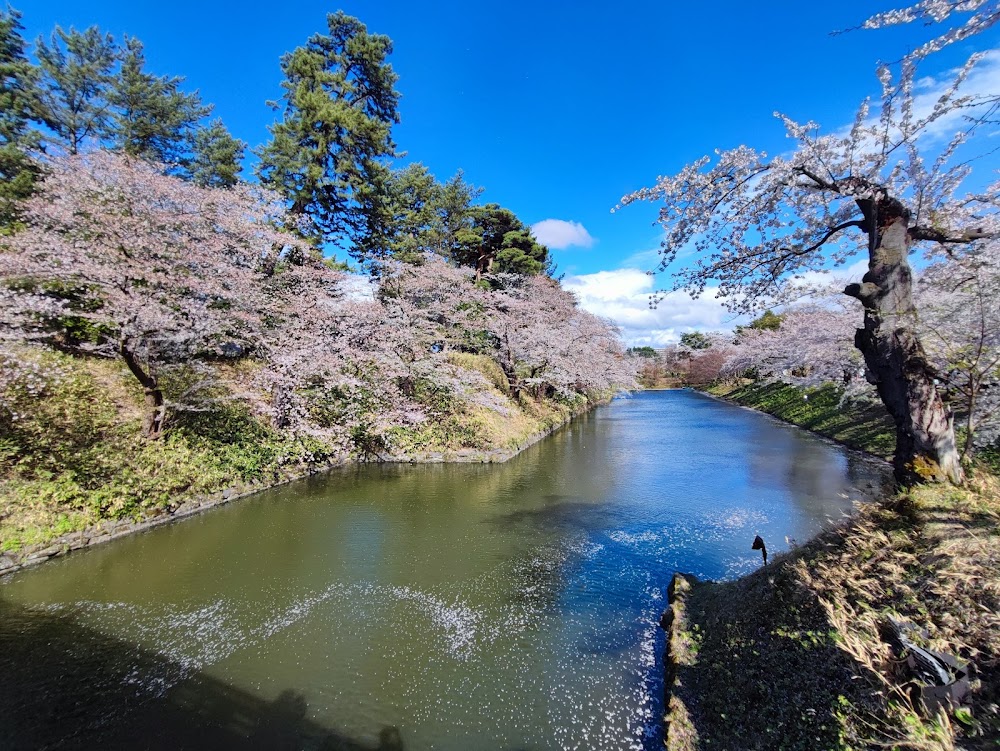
<point>418,607</point>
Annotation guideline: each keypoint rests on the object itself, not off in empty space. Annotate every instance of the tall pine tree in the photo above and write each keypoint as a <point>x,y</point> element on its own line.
<point>18,108</point>
<point>151,118</point>
<point>327,154</point>
<point>76,76</point>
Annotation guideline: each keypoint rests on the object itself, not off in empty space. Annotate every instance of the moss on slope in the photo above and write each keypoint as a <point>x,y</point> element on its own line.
<point>859,425</point>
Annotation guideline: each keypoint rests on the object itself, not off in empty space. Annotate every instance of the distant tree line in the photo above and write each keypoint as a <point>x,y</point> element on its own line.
<point>810,343</point>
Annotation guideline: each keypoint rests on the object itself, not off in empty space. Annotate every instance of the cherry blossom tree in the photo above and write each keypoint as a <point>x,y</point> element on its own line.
<point>811,347</point>
<point>756,220</point>
<point>352,369</point>
<point>959,298</point>
<point>542,340</point>
<point>440,302</point>
<point>337,372</point>
<point>960,20</point>
<point>165,271</point>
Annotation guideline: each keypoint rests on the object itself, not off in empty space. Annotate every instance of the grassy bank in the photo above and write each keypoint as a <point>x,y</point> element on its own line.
<point>791,657</point>
<point>864,426</point>
<point>795,656</point>
<point>72,456</point>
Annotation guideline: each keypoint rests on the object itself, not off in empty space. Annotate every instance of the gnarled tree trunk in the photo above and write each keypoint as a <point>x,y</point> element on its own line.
<point>925,436</point>
<point>156,410</point>
<point>508,366</point>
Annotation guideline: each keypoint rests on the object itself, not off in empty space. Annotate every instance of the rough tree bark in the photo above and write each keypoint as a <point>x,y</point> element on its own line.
<point>508,366</point>
<point>156,411</point>
<point>484,263</point>
<point>925,436</point>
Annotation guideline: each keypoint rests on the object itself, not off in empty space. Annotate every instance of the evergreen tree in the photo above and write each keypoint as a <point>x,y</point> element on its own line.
<point>378,208</point>
<point>408,222</point>
<point>339,105</point>
<point>152,117</point>
<point>768,321</point>
<point>18,107</point>
<point>215,157</point>
<point>696,340</point>
<point>76,76</point>
<point>499,241</point>
<point>413,214</point>
<point>456,208</point>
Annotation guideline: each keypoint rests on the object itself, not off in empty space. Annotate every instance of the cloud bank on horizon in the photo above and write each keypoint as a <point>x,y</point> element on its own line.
<point>624,296</point>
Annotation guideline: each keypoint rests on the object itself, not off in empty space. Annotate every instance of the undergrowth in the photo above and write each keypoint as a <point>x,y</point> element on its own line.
<point>72,455</point>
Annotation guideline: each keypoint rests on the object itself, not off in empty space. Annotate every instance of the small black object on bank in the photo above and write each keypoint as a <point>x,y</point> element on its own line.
<point>758,544</point>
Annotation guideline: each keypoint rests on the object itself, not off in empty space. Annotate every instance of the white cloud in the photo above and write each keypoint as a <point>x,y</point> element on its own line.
<point>981,86</point>
<point>831,278</point>
<point>623,296</point>
<point>560,234</point>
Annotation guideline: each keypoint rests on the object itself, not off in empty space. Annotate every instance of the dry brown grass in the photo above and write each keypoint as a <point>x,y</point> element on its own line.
<point>791,656</point>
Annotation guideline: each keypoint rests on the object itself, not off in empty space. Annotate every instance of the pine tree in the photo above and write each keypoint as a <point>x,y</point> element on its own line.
<point>76,76</point>
<point>215,157</point>
<point>338,110</point>
<point>456,208</point>
<point>18,107</point>
<point>152,118</point>
<point>499,241</point>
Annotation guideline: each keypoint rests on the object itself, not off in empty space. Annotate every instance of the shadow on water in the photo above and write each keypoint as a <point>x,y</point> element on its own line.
<point>66,686</point>
<point>560,512</point>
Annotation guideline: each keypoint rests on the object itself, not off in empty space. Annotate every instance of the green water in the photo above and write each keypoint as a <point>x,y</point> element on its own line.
<point>510,606</point>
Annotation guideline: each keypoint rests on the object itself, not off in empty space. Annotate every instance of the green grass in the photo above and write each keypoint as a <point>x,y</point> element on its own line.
<point>75,455</point>
<point>72,454</point>
<point>860,425</point>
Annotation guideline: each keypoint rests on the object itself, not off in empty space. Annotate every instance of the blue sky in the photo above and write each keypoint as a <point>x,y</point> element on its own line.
<point>556,108</point>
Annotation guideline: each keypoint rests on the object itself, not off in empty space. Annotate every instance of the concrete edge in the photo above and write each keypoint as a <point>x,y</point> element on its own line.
<point>679,733</point>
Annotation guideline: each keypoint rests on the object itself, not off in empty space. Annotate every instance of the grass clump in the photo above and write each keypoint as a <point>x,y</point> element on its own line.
<point>71,454</point>
<point>484,365</point>
<point>490,422</point>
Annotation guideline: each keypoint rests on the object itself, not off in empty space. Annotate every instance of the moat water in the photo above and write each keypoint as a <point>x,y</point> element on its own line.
<point>390,607</point>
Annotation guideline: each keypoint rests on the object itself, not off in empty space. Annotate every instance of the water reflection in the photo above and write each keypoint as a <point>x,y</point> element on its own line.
<point>444,606</point>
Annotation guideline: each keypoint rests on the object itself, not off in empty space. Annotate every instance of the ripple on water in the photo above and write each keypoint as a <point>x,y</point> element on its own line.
<point>603,696</point>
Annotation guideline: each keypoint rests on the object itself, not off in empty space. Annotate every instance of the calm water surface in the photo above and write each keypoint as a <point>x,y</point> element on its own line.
<point>460,607</point>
